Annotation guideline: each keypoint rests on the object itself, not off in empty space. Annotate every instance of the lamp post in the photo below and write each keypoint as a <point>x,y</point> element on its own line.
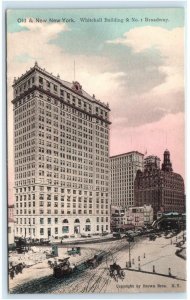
<point>129,254</point>
<point>24,240</point>
<point>130,239</point>
<point>30,233</point>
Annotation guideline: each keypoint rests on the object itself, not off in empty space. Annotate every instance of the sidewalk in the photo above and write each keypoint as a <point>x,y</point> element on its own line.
<point>84,240</point>
<point>170,270</point>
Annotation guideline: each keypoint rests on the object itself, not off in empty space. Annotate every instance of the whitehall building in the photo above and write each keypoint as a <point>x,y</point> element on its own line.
<point>61,155</point>
<point>123,172</point>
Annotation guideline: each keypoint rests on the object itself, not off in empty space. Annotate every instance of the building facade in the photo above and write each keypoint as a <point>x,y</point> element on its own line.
<point>11,231</point>
<point>139,216</point>
<point>117,217</point>
<point>123,172</point>
<point>61,148</point>
<point>131,218</point>
<point>135,216</point>
<point>160,187</point>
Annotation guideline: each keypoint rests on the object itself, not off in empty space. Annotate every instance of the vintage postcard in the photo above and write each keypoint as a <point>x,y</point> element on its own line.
<point>96,165</point>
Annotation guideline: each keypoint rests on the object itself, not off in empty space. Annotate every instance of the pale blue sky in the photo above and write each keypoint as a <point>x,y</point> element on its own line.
<point>86,38</point>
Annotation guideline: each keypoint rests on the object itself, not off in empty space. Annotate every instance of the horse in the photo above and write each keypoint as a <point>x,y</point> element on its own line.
<point>116,272</point>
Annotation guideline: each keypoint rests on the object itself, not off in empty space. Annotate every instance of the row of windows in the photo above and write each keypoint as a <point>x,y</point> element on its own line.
<point>79,113</point>
<point>26,116</point>
<point>56,212</point>
<point>124,159</point>
<point>56,189</point>
<point>30,231</point>
<point>30,221</point>
<point>55,102</point>
<point>20,105</point>
<point>62,183</point>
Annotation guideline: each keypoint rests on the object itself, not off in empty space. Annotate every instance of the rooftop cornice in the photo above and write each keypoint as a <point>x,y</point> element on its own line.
<point>36,88</point>
<point>127,153</point>
<point>59,81</point>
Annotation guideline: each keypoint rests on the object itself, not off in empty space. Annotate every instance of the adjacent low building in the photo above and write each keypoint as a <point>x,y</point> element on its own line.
<point>139,216</point>
<point>133,217</point>
<point>117,217</point>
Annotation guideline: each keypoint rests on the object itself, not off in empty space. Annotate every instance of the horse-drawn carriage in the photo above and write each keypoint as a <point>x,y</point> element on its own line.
<point>116,272</point>
<point>14,269</point>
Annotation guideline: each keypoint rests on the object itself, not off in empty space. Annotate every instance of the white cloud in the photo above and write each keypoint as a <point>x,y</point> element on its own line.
<point>170,44</point>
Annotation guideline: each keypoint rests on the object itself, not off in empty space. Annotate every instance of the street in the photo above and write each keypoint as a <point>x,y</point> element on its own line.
<point>151,262</point>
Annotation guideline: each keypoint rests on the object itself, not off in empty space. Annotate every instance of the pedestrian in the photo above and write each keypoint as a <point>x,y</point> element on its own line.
<point>12,273</point>
<point>16,270</point>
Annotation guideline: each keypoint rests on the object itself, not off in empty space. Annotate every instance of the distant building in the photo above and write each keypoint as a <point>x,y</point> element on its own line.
<point>117,217</point>
<point>11,211</point>
<point>133,217</point>
<point>123,172</point>
<point>139,216</point>
<point>150,161</point>
<point>148,214</point>
<point>162,188</point>
<point>11,231</point>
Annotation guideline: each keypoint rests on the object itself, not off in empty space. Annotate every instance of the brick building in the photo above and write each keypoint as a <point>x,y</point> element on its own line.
<point>160,187</point>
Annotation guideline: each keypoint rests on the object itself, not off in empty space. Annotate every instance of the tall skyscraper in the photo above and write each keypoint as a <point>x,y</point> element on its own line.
<point>123,172</point>
<point>61,148</point>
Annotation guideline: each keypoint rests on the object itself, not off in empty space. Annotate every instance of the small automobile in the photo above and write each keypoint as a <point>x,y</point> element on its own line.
<point>118,235</point>
<point>73,251</point>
